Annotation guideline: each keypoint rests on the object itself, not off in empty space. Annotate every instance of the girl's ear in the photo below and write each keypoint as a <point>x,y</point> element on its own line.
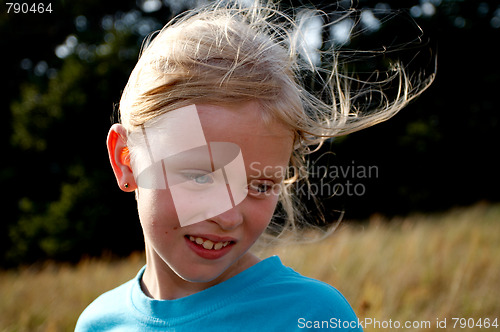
<point>119,157</point>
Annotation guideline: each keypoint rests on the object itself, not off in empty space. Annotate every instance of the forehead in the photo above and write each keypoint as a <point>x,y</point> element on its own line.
<point>244,125</point>
<point>265,143</point>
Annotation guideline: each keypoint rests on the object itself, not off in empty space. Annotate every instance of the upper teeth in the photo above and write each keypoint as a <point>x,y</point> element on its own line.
<point>207,244</point>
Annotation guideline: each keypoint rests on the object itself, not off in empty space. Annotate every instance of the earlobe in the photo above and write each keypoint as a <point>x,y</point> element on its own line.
<point>119,158</point>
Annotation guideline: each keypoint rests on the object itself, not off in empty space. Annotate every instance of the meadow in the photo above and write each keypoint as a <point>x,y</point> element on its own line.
<point>419,269</point>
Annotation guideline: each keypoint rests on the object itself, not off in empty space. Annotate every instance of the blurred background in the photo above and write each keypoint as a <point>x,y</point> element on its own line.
<point>419,193</point>
<point>64,71</point>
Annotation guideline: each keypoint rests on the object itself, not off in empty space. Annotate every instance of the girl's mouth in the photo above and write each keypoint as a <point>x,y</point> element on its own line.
<point>208,249</point>
<point>207,244</point>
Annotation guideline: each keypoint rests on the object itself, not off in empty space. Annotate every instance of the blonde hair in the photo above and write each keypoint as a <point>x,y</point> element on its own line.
<point>229,53</point>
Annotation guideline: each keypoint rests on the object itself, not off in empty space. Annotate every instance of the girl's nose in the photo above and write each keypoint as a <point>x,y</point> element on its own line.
<point>230,219</point>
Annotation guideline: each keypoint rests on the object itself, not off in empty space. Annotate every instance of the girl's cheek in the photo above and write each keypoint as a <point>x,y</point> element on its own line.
<point>172,230</point>
<point>157,210</point>
<point>261,211</point>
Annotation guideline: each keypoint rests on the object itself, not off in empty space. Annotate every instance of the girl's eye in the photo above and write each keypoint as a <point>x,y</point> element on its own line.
<point>258,188</point>
<point>262,188</point>
<point>199,178</point>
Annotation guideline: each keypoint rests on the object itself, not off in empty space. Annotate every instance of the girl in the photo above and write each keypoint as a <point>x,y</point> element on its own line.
<point>214,129</point>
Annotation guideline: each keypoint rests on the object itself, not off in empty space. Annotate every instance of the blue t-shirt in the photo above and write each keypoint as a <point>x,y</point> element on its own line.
<point>266,297</point>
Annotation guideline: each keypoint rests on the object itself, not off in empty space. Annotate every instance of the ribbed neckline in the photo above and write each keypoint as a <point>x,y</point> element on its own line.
<point>195,306</point>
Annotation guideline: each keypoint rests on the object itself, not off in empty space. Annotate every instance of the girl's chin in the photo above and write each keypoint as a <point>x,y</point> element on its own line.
<point>210,271</point>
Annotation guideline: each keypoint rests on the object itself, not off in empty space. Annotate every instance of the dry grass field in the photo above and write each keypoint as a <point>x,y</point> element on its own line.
<point>415,269</point>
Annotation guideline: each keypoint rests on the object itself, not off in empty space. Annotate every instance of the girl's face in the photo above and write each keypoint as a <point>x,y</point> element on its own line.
<point>215,249</point>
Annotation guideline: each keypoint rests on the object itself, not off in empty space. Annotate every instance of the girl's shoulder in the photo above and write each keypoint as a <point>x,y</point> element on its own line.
<point>301,301</point>
<point>291,286</point>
